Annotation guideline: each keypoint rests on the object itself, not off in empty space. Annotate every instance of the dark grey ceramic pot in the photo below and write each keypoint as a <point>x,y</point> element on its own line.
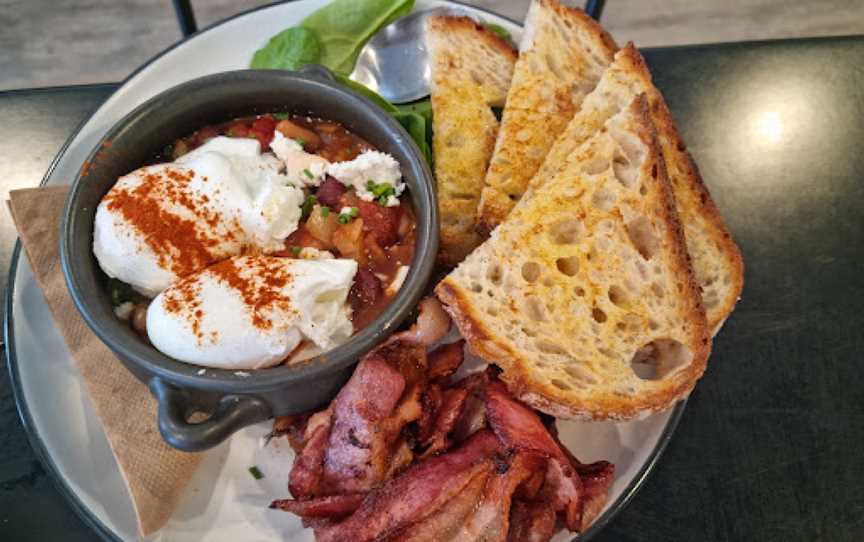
<point>234,401</point>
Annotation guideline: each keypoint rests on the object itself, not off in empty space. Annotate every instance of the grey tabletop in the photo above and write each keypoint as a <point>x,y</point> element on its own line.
<point>769,447</point>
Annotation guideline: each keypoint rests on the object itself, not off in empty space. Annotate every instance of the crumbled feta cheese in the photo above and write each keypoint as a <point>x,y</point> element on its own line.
<point>124,310</point>
<point>301,167</point>
<point>346,211</point>
<point>378,167</point>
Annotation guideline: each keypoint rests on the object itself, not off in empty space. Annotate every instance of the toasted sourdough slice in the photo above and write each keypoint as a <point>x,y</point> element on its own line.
<point>584,295</point>
<point>562,55</point>
<point>471,71</point>
<point>715,258</point>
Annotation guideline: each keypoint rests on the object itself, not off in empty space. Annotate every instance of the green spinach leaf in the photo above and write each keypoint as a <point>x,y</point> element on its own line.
<point>415,124</point>
<point>290,49</point>
<point>421,107</point>
<point>415,117</point>
<point>368,93</point>
<point>344,26</point>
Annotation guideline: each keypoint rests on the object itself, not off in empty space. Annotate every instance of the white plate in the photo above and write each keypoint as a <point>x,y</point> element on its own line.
<point>223,501</point>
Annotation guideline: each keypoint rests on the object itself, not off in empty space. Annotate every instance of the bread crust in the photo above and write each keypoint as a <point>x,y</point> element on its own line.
<point>590,25</point>
<point>518,373</point>
<point>468,25</point>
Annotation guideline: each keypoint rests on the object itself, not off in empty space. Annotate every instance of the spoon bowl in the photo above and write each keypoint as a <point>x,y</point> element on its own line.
<point>395,63</point>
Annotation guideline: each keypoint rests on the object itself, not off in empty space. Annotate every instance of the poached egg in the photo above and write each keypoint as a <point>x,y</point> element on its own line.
<point>165,221</point>
<point>252,312</point>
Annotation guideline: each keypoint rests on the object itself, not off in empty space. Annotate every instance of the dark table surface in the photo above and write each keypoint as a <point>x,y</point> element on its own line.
<point>771,444</point>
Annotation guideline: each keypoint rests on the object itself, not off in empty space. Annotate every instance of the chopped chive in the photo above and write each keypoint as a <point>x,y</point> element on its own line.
<point>308,173</point>
<point>381,192</point>
<point>295,250</point>
<point>255,472</point>
<point>325,211</point>
<point>307,205</point>
<point>346,216</point>
<point>282,116</point>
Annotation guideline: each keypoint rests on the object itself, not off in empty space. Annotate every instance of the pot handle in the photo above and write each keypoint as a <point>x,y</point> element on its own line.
<point>232,413</point>
<point>319,72</point>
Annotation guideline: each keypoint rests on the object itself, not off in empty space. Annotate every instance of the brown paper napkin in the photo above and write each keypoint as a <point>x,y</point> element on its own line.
<point>155,473</point>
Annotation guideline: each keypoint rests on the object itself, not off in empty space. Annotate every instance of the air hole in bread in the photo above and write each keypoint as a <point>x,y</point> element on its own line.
<point>535,309</point>
<point>642,236</point>
<point>513,197</point>
<point>630,144</point>
<point>549,348</point>
<point>529,332</point>
<point>603,199</point>
<point>565,232</point>
<point>643,190</point>
<point>653,325</point>
<point>710,299</point>
<point>598,315</point>
<point>580,291</point>
<point>654,171</point>
<point>494,274</point>
<point>659,358</point>
<point>530,271</point>
<point>478,79</point>
<point>560,384</point>
<point>569,266</point>
<point>607,352</point>
<point>492,311</point>
<point>476,288</point>
<point>596,166</point>
<point>625,174</point>
<point>463,197</point>
<point>553,66</point>
<point>657,289</point>
<point>579,374</point>
<point>617,296</point>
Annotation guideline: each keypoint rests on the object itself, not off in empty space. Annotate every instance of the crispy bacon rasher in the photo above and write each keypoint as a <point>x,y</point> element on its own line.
<point>403,453</point>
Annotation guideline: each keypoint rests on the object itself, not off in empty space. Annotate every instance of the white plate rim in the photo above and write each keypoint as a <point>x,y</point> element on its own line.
<point>41,450</point>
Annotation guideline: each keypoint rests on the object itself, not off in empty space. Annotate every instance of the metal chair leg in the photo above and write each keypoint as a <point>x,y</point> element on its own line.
<point>185,17</point>
<point>594,8</point>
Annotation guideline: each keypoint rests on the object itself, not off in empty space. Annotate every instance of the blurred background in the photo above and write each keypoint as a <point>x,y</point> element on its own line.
<point>60,42</point>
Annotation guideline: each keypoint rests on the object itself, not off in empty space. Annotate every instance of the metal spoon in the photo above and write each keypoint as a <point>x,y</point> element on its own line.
<point>394,63</point>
